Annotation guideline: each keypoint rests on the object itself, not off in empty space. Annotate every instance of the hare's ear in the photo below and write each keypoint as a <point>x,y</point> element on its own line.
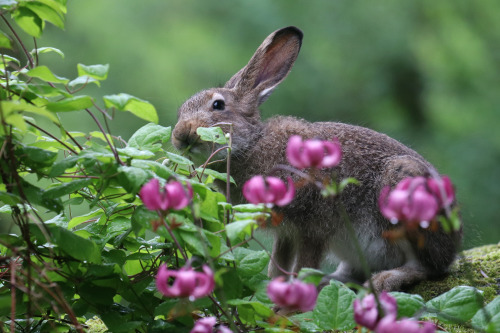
<point>270,64</point>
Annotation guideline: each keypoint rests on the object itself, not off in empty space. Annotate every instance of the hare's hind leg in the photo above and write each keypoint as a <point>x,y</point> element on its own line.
<point>294,253</point>
<point>283,255</point>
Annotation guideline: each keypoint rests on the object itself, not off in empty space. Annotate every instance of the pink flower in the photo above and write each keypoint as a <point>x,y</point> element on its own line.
<point>313,153</point>
<point>187,282</point>
<point>172,196</point>
<point>366,311</point>
<point>442,189</point>
<point>293,296</point>
<point>389,324</point>
<point>411,201</point>
<point>270,190</point>
<point>206,325</point>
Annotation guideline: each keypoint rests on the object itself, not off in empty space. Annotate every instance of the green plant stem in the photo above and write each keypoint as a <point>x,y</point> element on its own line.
<point>170,232</point>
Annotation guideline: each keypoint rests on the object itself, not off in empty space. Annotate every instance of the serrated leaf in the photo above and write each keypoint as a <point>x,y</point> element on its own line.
<point>126,102</point>
<point>212,134</point>
<point>408,304</point>
<point>250,262</point>
<point>150,137</point>
<point>70,104</point>
<point>66,188</point>
<point>98,72</point>
<point>334,310</point>
<point>457,305</point>
<point>238,230</point>
<point>488,319</point>
<point>45,74</point>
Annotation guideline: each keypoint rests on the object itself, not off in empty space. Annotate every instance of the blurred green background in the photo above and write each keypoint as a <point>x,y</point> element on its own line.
<point>425,72</point>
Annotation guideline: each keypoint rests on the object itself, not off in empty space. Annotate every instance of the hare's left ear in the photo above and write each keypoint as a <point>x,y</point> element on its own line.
<point>269,65</point>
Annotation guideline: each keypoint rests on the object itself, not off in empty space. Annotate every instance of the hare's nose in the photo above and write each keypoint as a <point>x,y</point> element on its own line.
<point>183,135</point>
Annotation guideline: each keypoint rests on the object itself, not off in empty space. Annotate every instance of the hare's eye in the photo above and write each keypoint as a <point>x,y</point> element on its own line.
<point>219,105</point>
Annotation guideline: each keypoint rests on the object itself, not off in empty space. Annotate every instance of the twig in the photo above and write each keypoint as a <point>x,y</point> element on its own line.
<point>52,136</point>
<point>30,59</point>
<point>113,149</point>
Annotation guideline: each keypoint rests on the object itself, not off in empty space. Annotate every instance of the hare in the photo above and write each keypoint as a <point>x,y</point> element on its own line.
<point>312,228</point>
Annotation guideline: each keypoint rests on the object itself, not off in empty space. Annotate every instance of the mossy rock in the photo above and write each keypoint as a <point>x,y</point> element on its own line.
<point>478,267</point>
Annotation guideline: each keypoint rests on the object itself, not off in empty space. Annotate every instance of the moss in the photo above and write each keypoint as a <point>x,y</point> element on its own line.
<point>478,267</point>
<point>96,325</point>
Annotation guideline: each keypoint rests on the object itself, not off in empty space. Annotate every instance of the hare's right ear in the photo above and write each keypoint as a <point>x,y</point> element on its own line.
<point>269,65</point>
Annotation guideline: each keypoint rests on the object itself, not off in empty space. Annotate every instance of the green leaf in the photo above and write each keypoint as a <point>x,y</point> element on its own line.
<point>35,196</point>
<point>74,245</point>
<point>126,102</point>
<point>251,311</point>
<point>45,74</point>
<point>83,80</point>
<point>178,159</point>
<point>250,262</point>
<point>135,153</point>
<point>59,167</point>
<point>4,41</point>
<point>457,305</point>
<point>212,134</point>
<point>22,106</point>
<point>83,218</point>
<point>42,50</point>
<point>98,72</point>
<point>142,218</point>
<point>71,104</point>
<point>29,21</point>
<point>334,309</point>
<point>150,137</point>
<point>66,188</point>
<point>46,13</point>
<point>237,231</point>
<point>215,174</point>
<point>488,319</point>
<point>132,178</point>
<point>408,304</point>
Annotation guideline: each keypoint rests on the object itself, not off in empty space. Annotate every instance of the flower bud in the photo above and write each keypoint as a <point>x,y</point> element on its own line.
<point>172,196</point>
<point>187,282</point>
<point>293,296</point>
<point>313,153</point>
<point>269,190</point>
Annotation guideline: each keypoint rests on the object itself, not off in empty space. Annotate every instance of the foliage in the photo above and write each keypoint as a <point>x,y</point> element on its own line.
<point>88,250</point>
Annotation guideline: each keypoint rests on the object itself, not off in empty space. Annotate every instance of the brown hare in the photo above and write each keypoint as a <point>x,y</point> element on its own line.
<point>312,228</point>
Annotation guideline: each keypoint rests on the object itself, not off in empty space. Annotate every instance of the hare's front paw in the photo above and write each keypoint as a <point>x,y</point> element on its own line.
<point>397,278</point>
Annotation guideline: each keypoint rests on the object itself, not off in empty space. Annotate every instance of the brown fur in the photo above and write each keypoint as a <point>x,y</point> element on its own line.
<point>312,226</point>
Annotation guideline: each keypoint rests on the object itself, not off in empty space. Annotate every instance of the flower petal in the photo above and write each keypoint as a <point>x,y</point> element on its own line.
<point>333,154</point>
<point>294,149</point>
